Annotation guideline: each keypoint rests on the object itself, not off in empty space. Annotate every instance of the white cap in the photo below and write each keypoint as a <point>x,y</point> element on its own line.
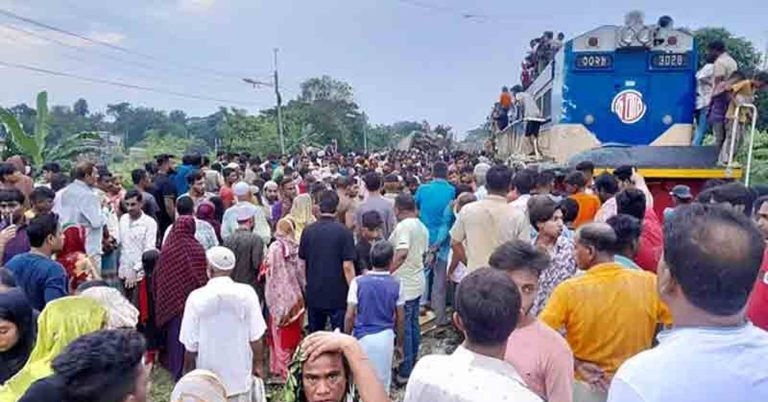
<point>221,258</point>
<point>241,189</point>
<point>233,165</point>
<point>244,212</point>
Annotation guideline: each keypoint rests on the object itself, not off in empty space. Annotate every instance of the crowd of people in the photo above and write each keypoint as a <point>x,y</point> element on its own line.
<point>521,106</point>
<point>720,89</point>
<point>541,53</point>
<point>317,271</point>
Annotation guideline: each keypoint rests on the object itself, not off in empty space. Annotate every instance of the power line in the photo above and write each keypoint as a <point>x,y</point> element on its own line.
<point>114,47</point>
<point>78,48</point>
<point>475,17</point>
<point>125,85</point>
<point>150,67</point>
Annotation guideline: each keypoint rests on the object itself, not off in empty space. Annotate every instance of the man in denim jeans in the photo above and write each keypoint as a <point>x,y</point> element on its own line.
<point>411,239</point>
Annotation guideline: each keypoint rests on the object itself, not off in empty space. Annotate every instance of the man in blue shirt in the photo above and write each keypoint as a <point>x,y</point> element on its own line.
<point>432,199</point>
<point>189,164</point>
<point>41,278</point>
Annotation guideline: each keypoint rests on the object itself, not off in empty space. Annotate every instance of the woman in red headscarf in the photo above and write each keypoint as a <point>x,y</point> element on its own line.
<point>181,269</point>
<point>206,211</point>
<point>73,257</point>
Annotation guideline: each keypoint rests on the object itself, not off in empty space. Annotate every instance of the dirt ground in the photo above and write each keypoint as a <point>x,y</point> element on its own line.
<point>434,341</point>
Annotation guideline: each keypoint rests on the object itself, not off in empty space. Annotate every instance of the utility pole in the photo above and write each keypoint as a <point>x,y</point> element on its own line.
<point>279,107</point>
<point>275,84</point>
<point>365,133</point>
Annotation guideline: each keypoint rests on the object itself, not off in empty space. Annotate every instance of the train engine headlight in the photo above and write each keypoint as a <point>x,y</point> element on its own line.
<point>589,119</point>
<point>645,36</point>
<point>667,119</point>
<point>626,36</point>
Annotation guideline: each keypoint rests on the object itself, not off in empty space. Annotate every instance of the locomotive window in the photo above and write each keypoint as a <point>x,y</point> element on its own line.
<point>669,60</point>
<point>594,61</point>
<point>546,104</point>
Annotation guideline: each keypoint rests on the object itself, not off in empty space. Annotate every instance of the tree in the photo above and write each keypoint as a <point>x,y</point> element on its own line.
<point>34,145</point>
<point>80,107</point>
<point>133,122</point>
<point>741,49</point>
<point>325,88</point>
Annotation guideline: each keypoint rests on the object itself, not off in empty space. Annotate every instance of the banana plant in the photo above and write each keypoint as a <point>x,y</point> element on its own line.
<point>35,146</point>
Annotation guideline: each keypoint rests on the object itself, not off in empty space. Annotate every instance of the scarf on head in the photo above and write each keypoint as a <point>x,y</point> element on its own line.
<point>15,308</point>
<point>206,211</point>
<point>293,390</point>
<point>61,322</point>
<point>181,269</point>
<point>120,312</point>
<point>199,385</point>
<point>301,213</point>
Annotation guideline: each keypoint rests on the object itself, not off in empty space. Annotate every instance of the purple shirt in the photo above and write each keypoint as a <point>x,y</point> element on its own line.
<point>718,107</point>
<point>19,244</point>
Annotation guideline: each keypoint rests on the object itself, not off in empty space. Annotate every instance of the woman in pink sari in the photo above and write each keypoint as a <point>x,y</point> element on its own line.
<point>284,296</point>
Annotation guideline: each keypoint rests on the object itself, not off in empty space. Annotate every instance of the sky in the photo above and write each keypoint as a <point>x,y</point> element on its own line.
<point>443,61</point>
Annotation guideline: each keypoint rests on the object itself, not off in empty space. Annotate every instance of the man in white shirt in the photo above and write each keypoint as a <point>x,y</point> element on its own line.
<point>484,225</point>
<point>531,115</point>
<point>411,240</point>
<point>481,169</point>
<point>524,182</point>
<point>245,200</point>
<point>136,235</point>
<point>487,310</point>
<point>724,65</point>
<point>222,328</point>
<point>711,259</point>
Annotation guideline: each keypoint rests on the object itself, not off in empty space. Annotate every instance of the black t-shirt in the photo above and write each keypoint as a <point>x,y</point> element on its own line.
<point>48,389</point>
<point>362,256</point>
<point>162,188</point>
<point>325,245</point>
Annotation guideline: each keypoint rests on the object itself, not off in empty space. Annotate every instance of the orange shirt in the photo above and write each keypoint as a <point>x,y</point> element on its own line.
<point>505,100</point>
<point>609,314</point>
<point>589,204</point>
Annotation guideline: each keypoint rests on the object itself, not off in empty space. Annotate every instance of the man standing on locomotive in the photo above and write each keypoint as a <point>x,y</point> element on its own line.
<point>531,116</point>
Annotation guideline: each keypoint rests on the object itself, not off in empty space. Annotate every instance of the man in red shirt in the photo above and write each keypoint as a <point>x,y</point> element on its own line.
<point>758,302</point>
<point>631,201</point>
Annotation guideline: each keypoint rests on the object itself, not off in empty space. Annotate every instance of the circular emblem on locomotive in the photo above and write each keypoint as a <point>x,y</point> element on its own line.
<point>628,106</point>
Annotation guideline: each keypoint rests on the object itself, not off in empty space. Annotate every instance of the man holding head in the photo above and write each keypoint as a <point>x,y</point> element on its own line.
<point>711,258</point>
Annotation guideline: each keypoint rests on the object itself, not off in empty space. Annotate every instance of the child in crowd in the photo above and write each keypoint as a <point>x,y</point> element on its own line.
<point>576,186</point>
<point>42,202</point>
<point>375,309</point>
<point>371,230</point>
<point>570,212</point>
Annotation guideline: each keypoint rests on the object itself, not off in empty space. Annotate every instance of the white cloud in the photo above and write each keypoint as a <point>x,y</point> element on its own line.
<point>195,6</point>
<point>26,37</point>
<point>113,38</point>
<point>17,39</point>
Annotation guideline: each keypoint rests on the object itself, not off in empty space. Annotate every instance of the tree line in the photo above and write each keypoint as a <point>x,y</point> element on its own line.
<point>324,112</point>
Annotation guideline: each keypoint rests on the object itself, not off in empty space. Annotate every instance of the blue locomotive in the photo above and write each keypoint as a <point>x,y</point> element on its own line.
<point>622,94</point>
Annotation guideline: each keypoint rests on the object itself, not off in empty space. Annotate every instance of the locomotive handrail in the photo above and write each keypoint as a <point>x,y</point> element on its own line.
<point>751,139</point>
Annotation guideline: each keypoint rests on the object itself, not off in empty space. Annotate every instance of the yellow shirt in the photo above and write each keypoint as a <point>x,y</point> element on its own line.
<point>743,92</point>
<point>609,314</point>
